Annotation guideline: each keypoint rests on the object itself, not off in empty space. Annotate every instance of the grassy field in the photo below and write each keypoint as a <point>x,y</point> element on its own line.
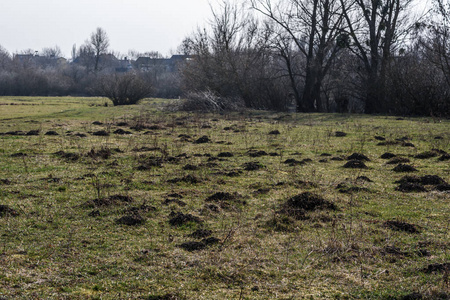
<point>102,202</point>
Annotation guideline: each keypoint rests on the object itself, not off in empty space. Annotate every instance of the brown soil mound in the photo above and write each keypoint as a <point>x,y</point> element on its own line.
<point>51,132</point>
<point>442,187</point>
<point>355,164</point>
<point>5,210</point>
<point>202,140</point>
<point>176,201</point>
<point>358,156</point>
<point>33,132</point>
<point>19,154</point>
<point>404,168</point>
<point>5,181</point>
<point>409,179</point>
<point>109,201</point>
<point>190,167</point>
<point>252,166</point>
<point>299,204</point>
<point>122,132</point>
<point>432,180</point>
<point>434,268</point>
<point>444,157</point>
<point>178,219</point>
<point>292,162</point>
<point>410,187</point>
<point>131,220</point>
<point>67,155</point>
<point>103,153</point>
<point>223,196</point>
<point>256,153</point>
<point>225,154</point>
<point>388,155</point>
<point>401,226</point>
<point>379,138</point>
<point>274,132</point>
<point>188,179</point>
<point>427,154</point>
<point>340,134</point>
<point>100,133</point>
<point>364,179</point>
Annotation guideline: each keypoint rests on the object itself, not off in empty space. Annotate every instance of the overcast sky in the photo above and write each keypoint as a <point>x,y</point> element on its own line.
<point>143,25</point>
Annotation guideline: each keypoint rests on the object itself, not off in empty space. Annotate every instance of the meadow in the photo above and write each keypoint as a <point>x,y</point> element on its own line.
<point>143,202</point>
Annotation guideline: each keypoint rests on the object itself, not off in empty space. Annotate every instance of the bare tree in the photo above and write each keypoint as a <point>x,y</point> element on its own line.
<point>309,28</point>
<point>5,58</point>
<point>375,28</point>
<point>52,52</point>
<point>99,42</point>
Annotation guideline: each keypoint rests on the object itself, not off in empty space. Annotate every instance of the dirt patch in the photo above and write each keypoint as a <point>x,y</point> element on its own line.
<point>388,143</point>
<point>97,123</point>
<point>252,166</point>
<point>224,196</point>
<point>195,246</point>
<point>358,156</point>
<point>404,168</point>
<point>150,163</point>
<point>407,187</point>
<point>409,179</point>
<point>274,132</point>
<point>256,153</point>
<point>298,205</point>
<point>345,189</point>
<point>176,201</point>
<point>225,154</point>
<point>94,213</point>
<point>401,226</point>
<point>131,220</point>
<point>70,156</point>
<point>388,155</point>
<point>364,179</point>
<point>355,164</point>
<point>19,154</point>
<point>190,167</point>
<point>5,181</point>
<point>426,154</point>
<point>444,157</point>
<point>5,210</point>
<point>340,134</point>
<point>18,132</point>
<point>120,131</point>
<point>397,160</point>
<point>437,268</point>
<point>432,180</point>
<point>408,144</point>
<point>292,162</point>
<point>379,138</point>
<point>188,179</point>
<point>33,132</point>
<point>202,140</point>
<point>442,187</point>
<point>178,219</point>
<point>103,153</point>
<point>337,158</point>
<point>100,133</point>
<point>51,132</point>
<point>306,184</point>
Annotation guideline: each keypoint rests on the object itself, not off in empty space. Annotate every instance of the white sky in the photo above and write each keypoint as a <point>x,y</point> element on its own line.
<point>143,25</point>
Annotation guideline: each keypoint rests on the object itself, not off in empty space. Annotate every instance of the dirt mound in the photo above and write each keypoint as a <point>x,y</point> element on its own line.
<point>201,233</point>
<point>409,179</point>
<point>379,138</point>
<point>18,132</point>
<point>252,166</point>
<point>68,155</point>
<point>225,154</point>
<point>387,155</point>
<point>404,168</point>
<point>188,179</point>
<point>426,154</point>
<point>122,124</point>
<point>97,123</point>
<point>274,132</point>
<point>340,134</point>
<point>435,268</point>
<point>178,219</point>
<point>442,187</point>
<point>19,154</point>
<point>256,153</point>
<point>168,296</point>
<point>444,157</point>
<point>298,205</point>
<point>346,189</point>
<point>122,132</point>
<point>103,153</point>
<point>364,179</point>
<point>202,140</point>
<point>149,163</point>
<point>109,201</point>
<point>33,132</point>
<point>195,246</point>
<point>337,158</point>
<point>292,162</point>
<point>358,156</point>
<point>100,133</point>
<point>432,180</point>
<point>5,210</point>
<point>410,187</point>
<point>190,167</point>
<point>51,132</point>
<point>5,181</point>
<point>408,144</point>
<point>131,220</point>
<point>176,201</point>
<point>401,226</point>
<point>387,143</point>
<point>355,164</point>
<point>397,160</point>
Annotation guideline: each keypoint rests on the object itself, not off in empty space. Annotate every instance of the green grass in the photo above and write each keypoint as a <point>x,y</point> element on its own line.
<point>64,244</point>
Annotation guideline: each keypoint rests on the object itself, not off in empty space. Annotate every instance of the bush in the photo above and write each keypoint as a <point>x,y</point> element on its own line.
<point>124,89</point>
<point>208,101</point>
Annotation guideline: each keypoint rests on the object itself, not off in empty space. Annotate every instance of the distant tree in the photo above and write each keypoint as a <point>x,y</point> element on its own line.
<point>52,52</point>
<point>99,42</point>
<point>124,89</point>
<point>5,58</point>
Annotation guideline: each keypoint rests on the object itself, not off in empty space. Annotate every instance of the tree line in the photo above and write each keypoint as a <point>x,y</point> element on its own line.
<point>368,56</point>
